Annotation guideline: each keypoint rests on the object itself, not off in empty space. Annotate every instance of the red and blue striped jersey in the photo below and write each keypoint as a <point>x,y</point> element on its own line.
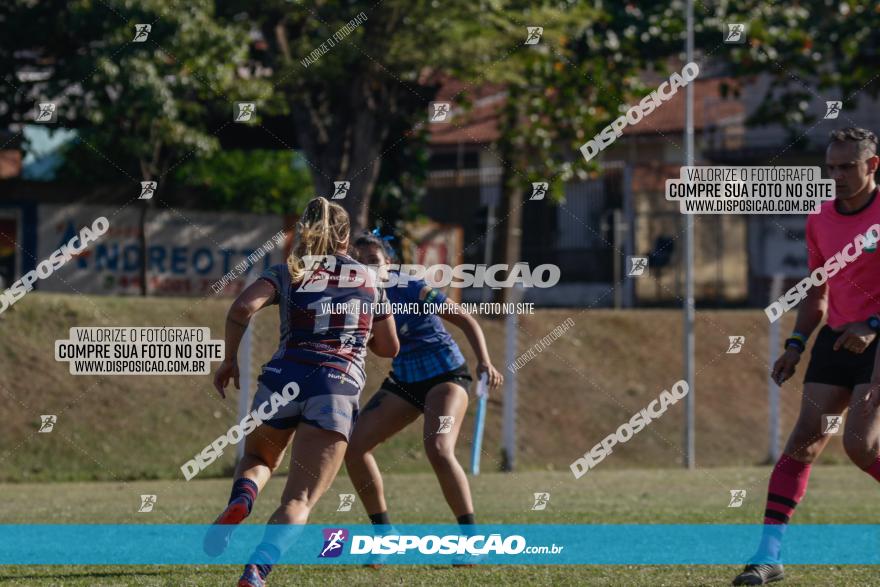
<point>326,317</point>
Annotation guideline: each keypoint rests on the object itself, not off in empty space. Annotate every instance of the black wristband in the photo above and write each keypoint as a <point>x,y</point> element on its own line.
<point>795,342</point>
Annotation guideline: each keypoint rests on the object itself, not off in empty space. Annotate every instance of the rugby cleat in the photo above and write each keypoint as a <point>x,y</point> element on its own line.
<point>467,561</point>
<point>251,577</point>
<point>377,561</point>
<point>759,575</point>
<point>218,535</point>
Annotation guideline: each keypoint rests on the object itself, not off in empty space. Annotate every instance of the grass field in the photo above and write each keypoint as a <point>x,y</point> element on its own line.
<point>838,494</point>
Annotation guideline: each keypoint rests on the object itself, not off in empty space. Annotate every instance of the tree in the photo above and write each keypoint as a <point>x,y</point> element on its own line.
<point>561,91</point>
<point>140,98</point>
<point>590,65</point>
<point>258,181</point>
<point>811,50</point>
<point>350,71</point>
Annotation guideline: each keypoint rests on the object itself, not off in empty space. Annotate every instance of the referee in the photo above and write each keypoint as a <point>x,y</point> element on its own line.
<point>839,372</point>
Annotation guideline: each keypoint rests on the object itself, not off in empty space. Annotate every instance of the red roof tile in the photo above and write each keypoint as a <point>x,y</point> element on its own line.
<point>480,124</point>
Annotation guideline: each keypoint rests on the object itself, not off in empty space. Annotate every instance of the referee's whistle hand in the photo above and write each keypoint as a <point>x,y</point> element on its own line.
<point>856,338</point>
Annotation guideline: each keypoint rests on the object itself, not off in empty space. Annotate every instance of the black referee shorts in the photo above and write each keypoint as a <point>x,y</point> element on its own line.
<point>842,367</point>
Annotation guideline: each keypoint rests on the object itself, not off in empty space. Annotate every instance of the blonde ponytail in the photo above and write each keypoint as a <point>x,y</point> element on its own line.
<point>321,230</point>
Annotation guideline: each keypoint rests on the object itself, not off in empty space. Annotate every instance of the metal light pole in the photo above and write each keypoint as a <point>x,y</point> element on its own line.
<point>689,456</point>
<point>774,452</point>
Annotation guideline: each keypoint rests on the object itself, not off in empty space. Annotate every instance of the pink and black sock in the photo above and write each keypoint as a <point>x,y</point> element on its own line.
<point>244,488</point>
<point>788,484</point>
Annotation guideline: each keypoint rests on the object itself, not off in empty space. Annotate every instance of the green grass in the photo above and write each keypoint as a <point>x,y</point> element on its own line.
<point>838,494</point>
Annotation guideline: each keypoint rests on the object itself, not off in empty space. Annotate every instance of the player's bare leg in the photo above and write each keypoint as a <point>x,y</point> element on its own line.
<point>315,458</point>
<point>448,399</point>
<point>384,416</point>
<point>861,437</point>
<point>263,451</point>
<point>807,439</point>
<point>788,482</point>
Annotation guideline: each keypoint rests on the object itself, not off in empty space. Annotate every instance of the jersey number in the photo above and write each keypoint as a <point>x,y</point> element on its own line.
<point>322,316</point>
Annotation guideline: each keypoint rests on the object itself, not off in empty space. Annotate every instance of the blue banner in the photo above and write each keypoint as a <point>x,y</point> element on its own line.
<point>703,544</point>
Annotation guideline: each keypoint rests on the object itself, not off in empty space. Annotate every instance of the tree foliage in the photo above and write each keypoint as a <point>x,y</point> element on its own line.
<point>141,108</point>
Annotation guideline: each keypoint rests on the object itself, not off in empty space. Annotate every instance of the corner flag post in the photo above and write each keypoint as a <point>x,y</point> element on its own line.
<point>479,423</point>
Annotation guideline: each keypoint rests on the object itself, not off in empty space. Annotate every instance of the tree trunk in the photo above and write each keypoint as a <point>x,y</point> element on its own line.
<point>349,148</point>
<point>156,166</point>
<point>142,241</point>
<point>508,231</point>
<point>341,128</point>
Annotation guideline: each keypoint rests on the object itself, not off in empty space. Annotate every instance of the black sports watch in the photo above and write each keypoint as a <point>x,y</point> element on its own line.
<point>874,323</point>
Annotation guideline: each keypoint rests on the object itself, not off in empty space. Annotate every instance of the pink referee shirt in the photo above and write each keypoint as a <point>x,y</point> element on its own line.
<point>854,292</point>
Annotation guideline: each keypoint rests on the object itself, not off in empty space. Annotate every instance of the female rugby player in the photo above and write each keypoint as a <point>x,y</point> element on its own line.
<point>323,354</point>
<point>428,376</point>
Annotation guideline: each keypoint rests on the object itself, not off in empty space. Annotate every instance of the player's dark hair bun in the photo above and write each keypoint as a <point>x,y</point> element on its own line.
<point>373,238</point>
